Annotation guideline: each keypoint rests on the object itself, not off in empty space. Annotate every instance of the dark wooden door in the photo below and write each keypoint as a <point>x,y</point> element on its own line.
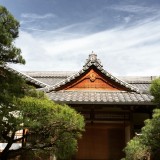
<point>101,142</point>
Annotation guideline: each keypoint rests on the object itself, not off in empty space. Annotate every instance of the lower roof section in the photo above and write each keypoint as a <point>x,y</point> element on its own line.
<point>100,97</point>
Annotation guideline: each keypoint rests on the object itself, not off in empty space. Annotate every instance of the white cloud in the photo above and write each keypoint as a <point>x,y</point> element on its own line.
<point>29,18</point>
<point>122,50</point>
<point>37,16</point>
<point>134,8</point>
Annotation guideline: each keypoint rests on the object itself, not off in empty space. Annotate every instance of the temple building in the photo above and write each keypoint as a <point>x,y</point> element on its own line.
<point>114,107</point>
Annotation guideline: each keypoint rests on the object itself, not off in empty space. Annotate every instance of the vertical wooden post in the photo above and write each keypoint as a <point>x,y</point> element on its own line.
<point>131,122</point>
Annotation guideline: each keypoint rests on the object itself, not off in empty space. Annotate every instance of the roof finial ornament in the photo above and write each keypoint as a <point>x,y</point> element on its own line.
<point>92,60</point>
<point>93,57</point>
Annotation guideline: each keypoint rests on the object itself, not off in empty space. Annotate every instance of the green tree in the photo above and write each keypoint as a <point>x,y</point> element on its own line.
<point>10,84</point>
<point>51,127</point>
<point>8,33</point>
<point>155,91</point>
<point>136,150</point>
<point>56,127</point>
<point>147,145</point>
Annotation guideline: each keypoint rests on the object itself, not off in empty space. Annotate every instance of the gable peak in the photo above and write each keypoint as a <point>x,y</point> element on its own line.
<point>93,60</point>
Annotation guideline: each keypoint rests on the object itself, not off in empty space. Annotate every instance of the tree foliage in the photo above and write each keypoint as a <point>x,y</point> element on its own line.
<point>155,90</point>
<point>51,127</point>
<point>147,145</point>
<point>8,33</point>
<point>136,150</point>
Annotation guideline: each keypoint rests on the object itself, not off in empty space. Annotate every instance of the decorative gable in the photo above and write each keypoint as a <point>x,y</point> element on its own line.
<point>93,77</point>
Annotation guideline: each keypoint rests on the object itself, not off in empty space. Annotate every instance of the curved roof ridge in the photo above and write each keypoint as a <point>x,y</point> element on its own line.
<point>68,79</point>
<point>26,77</point>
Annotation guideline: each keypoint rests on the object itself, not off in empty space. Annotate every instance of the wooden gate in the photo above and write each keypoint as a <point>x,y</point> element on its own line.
<point>102,142</point>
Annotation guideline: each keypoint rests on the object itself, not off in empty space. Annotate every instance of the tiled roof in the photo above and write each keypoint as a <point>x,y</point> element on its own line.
<point>51,78</point>
<point>100,97</point>
<point>48,81</point>
<point>45,74</point>
<point>143,87</point>
<point>26,77</point>
<point>93,61</point>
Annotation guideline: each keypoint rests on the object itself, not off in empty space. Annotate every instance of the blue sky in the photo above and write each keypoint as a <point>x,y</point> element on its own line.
<point>60,34</point>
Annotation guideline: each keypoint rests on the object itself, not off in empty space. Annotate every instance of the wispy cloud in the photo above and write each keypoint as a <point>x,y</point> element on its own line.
<point>37,16</point>
<point>134,8</point>
<point>123,50</point>
<point>31,18</point>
